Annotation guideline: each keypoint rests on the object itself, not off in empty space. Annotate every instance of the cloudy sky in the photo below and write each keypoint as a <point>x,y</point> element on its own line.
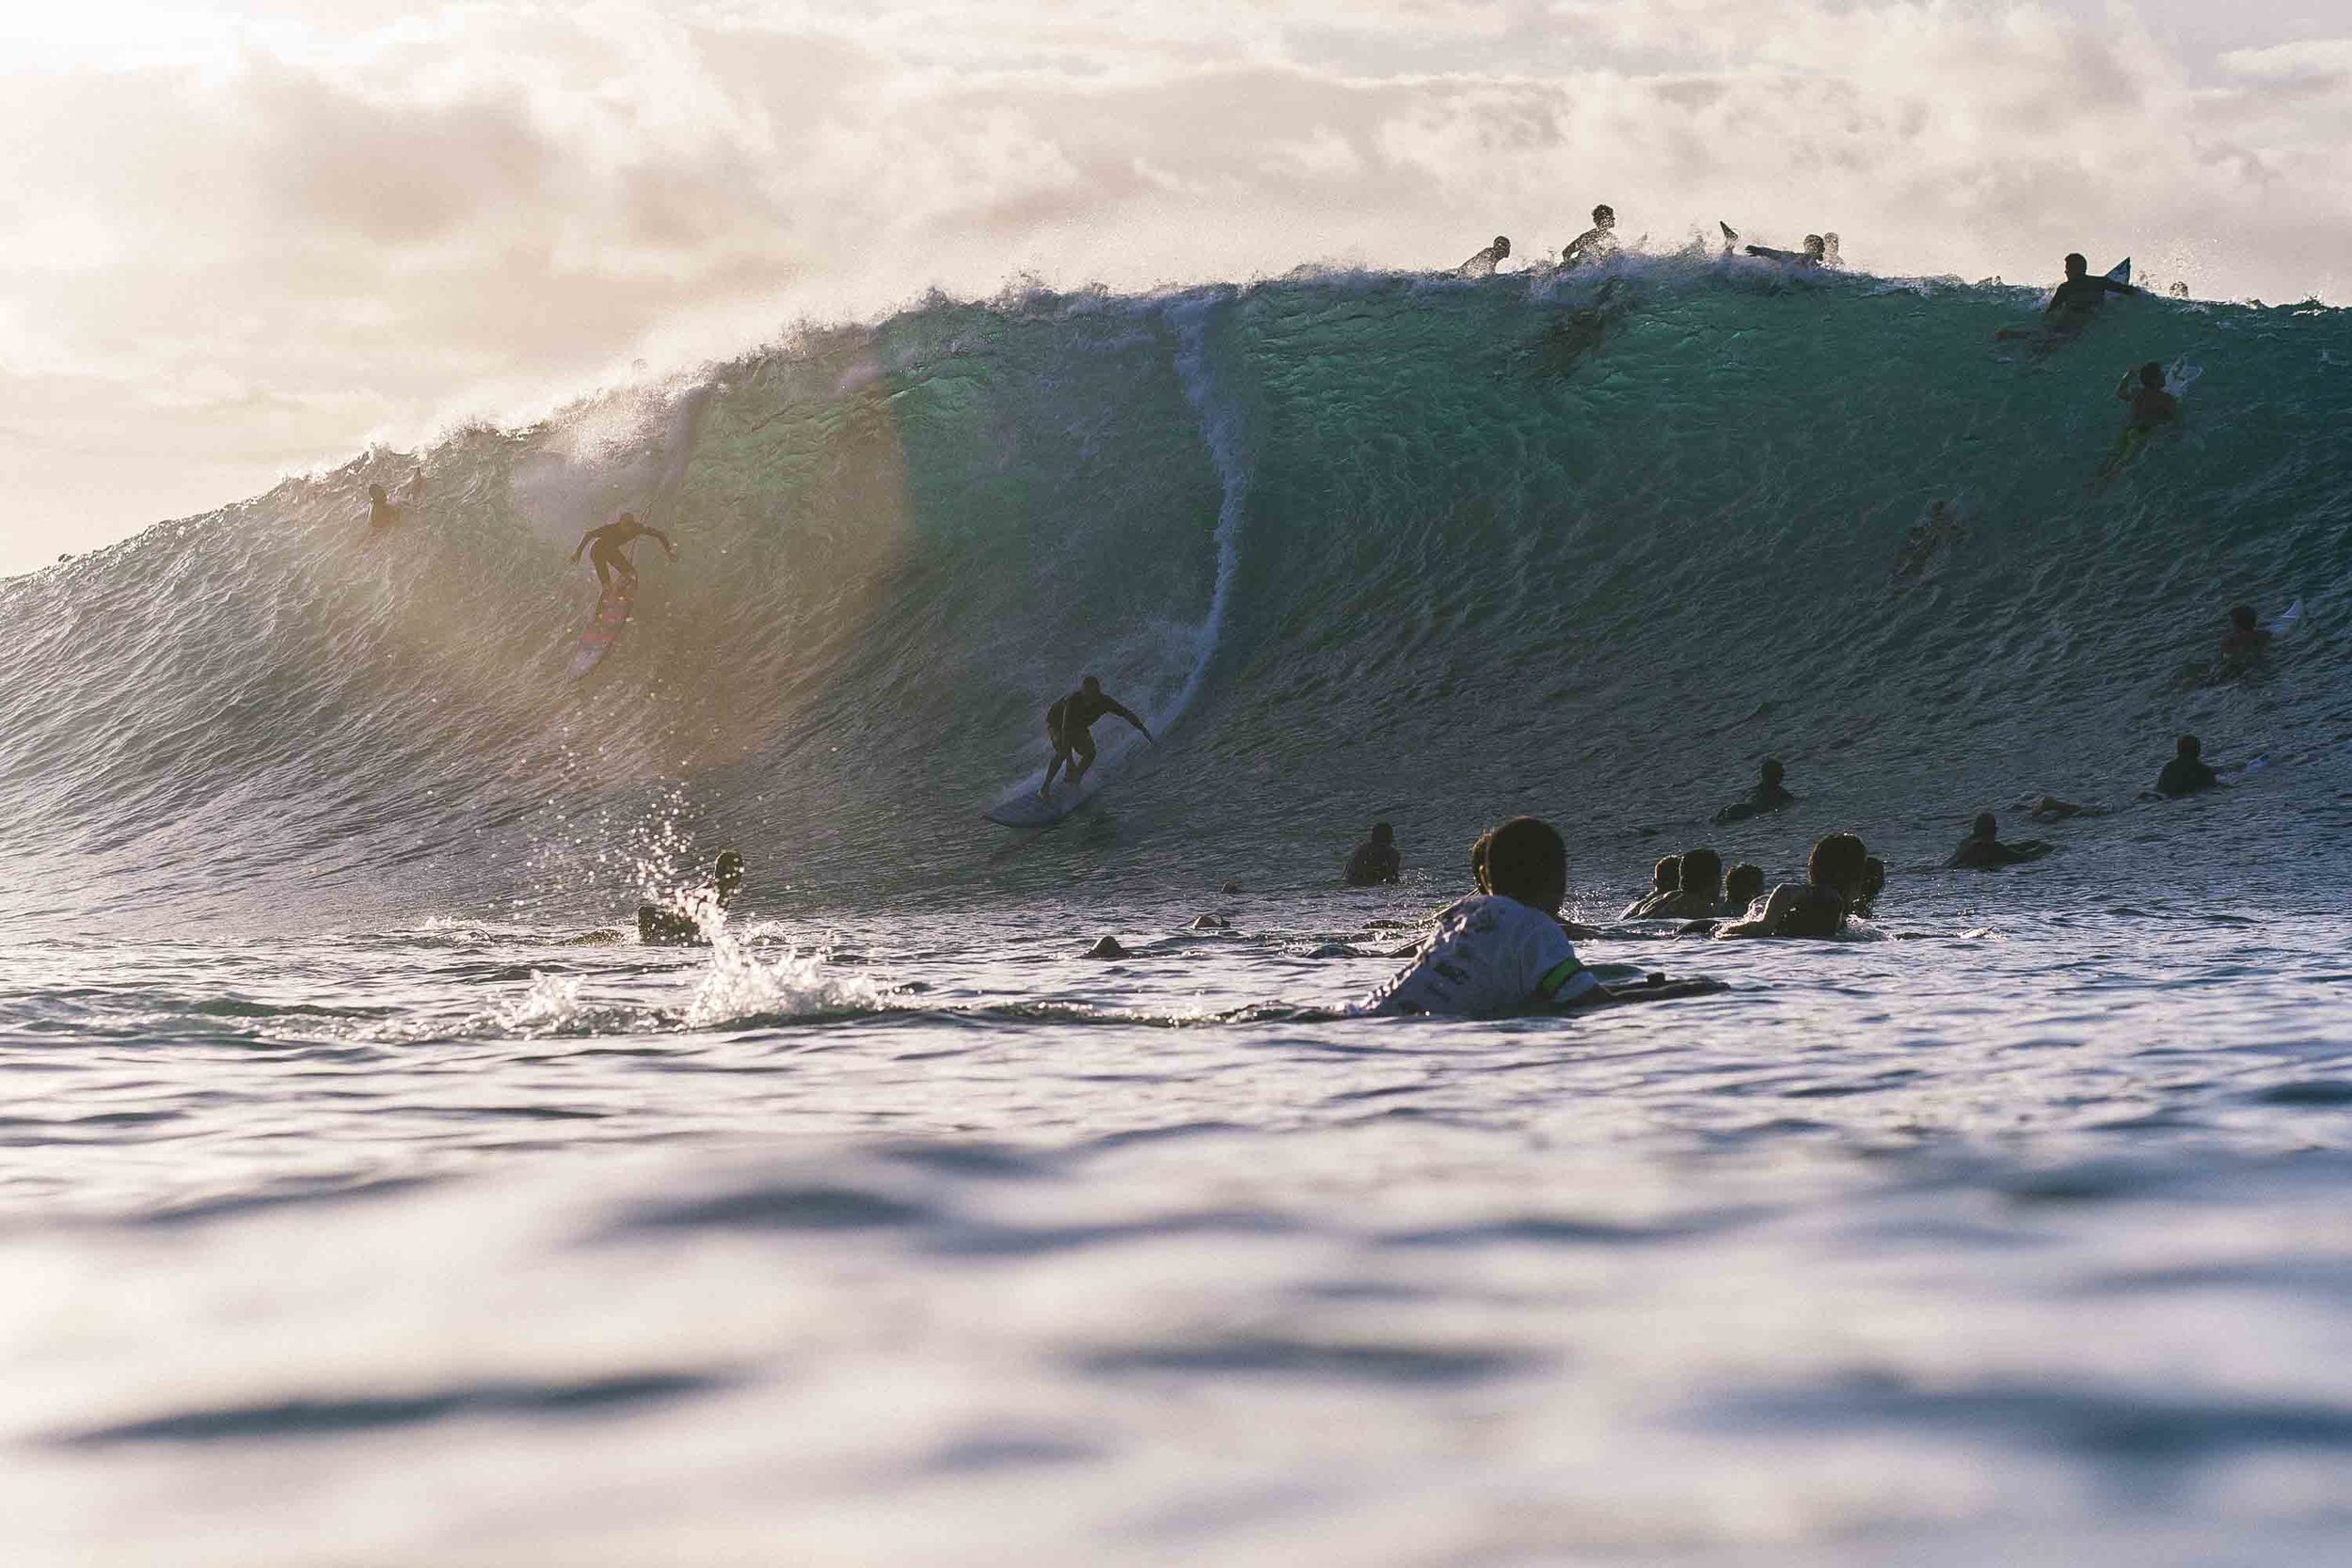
<point>241,239</point>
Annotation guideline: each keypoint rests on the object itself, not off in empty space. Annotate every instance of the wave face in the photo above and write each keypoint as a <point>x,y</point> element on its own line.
<point>1363,544</point>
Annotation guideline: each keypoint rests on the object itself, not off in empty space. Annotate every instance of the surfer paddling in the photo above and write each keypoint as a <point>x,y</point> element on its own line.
<point>383,511</point>
<point>607,548</point>
<point>1069,724</point>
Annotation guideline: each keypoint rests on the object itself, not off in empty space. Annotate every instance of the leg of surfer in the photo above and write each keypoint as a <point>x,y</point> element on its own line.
<point>1081,755</point>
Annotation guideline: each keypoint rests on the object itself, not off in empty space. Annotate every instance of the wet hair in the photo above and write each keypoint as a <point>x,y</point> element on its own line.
<point>1526,861</point>
<point>625,517</point>
<point>1503,245</point>
<point>1985,826</point>
<point>1478,860</point>
<point>726,873</point>
<point>1771,772</point>
<point>1604,215</point>
<point>1383,834</point>
<point>2075,264</point>
<point>1745,875</point>
<point>1837,862</point>
<point>2151,374</point>
<point>1816,246</point>
<point>1701,871</point>
<point>1089,683</point>
<point>1666,875</point>
<point>375,493</point>
<point>2188,746</point>
<point>2242,616</point>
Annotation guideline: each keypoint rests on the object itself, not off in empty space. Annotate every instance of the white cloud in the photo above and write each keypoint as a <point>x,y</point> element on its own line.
<point>263,239</point>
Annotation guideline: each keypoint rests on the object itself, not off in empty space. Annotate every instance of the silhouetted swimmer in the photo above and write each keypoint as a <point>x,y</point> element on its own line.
<point>1501,952</point>
<point>1484,263</point>
<point>2246,644</point>
<point>1664,877</point>
<point>382,511</point>
<point>1596,244</point>
<point>607,548</point>
<point>1768,796</point>
<point>2186,773</point>
<point>682,922</point>
<point>2151,405</point>
<point>1376,860</point>
<point>1982,850</point>
<point>1070,725</point>
<point>2072,304</point>
<point>1698,892</point>
<point>1743,885</point>
<point>1819,905</point>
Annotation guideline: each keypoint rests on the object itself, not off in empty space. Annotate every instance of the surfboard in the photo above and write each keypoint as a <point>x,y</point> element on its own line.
<point>1022,808</point>
<point>2288,622</point>
<point>2120,271</point>
<point>604,626</point>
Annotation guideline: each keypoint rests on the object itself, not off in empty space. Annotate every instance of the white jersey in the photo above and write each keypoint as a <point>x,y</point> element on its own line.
<point>1488,956</point>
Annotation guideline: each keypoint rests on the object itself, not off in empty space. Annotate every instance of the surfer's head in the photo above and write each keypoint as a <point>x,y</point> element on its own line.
<point>1837,863</point>
<point>726,873</point>
<point>1091,686</point>
<point>1701,871</point>
<point>1771,772</point>
<point>1815,247</point>
<point>1527,862</point>
<point>375,493</point>
<point>1985,826</point>
<point>2075,265</point>
<point>2151,376</point>
<point>1383,834</point>
<point>2242,616</point>
<point>1667,874</point>
<point>1604,216</point>
<point>1744,884</point>
<point>1478,860</point>
<point>1502,246</point>
<point>2188,746</point>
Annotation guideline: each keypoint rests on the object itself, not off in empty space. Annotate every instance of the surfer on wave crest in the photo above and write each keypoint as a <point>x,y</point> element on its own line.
<point>607,548</point>
<point>1068,725</point>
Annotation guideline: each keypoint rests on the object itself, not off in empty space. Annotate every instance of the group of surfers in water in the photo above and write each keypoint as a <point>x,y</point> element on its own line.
<point>1508,948</point>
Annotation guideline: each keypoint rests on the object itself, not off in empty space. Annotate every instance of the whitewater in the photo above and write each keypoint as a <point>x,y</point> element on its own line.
<point>368,1194</point>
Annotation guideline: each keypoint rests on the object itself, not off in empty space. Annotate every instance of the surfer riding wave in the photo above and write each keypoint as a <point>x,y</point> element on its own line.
<point>1068,725</point>
<point>607,548</point>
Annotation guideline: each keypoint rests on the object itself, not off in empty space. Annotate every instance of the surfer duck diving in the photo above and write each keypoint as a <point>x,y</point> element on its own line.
<point>1068,725</point>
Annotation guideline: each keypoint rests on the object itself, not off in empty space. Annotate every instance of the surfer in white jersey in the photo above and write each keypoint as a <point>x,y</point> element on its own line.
<point>1499,952</point>
<point>1596,244</point>
<point>1068,725</point>
<point>607,548</point>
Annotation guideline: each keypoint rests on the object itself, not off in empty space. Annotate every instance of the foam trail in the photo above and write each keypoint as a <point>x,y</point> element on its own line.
<point>1221,428</point>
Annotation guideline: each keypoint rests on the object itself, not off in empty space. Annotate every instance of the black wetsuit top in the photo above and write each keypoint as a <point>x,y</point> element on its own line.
<point>1076,713</point>
<point>1372,864</point>
<point>1819,913</point>
<point>2077,297</point>
<point>2184,776</point>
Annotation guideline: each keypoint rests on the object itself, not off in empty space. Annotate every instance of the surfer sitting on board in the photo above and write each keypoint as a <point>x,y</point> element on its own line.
<point>1068,725</point>
<point>1596,244</point>
<point>2072,304</point>
<point>610,543</point>
<point>1376,860</point>
<point>1770,794</point>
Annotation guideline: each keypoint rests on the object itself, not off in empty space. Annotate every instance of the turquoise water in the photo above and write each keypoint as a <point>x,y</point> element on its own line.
<point>353,1209</point>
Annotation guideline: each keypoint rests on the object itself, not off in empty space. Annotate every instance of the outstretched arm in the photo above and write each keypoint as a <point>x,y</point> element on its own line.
<point>1135,722</point>
<point>663,540</point>
<point>583,541</point>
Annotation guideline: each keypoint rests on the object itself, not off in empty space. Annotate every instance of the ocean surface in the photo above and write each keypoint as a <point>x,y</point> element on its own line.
<point>369,1196</point>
